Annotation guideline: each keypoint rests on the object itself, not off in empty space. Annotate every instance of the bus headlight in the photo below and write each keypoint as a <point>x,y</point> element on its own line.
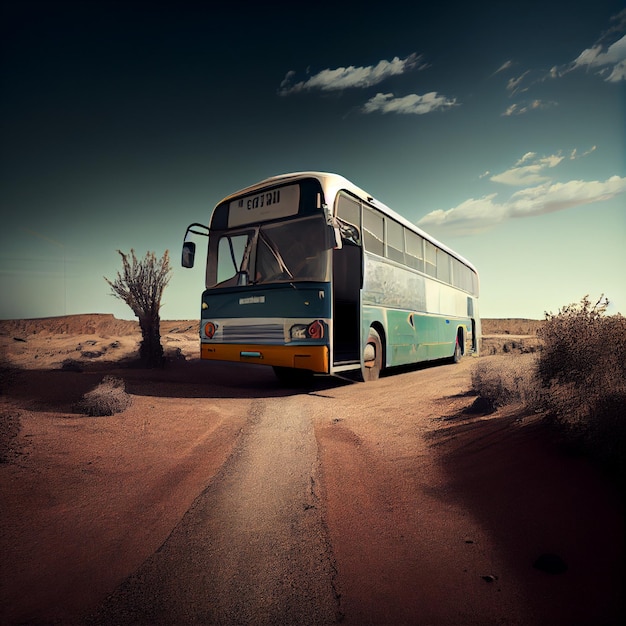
<point>314,330</point>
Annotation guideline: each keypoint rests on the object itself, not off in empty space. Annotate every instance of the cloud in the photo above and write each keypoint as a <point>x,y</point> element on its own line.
<point>513,85</point>
<point>574,153</point>
<point>528,170</point>
<point>607,56</point>
<point>533,105</point>
<point>539,196</point>
<point>349,77</point>
<point>470,217</point>
<point>413,104</point>
<point>552,197</point>
<point>478,215</point>
<point>610,60</point>
<point>505,66</point>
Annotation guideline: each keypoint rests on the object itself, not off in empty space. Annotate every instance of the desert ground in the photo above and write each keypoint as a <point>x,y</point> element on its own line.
<point>219,497</point>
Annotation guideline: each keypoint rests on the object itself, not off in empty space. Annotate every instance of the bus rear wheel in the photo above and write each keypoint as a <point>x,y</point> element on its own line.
<point>372,357</point>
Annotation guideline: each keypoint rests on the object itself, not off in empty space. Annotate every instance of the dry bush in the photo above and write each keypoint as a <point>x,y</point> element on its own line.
<point>583,368</point>
<point>577,379</point>
<point>108,398</point>
<point>502,380</point>
<point>140,285</point>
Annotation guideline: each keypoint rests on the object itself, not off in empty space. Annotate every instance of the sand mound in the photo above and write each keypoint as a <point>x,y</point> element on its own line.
<point>75,340</point>
<point>103,324</point>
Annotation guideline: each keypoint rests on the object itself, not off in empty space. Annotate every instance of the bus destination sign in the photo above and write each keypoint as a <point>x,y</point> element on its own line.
<point>264,206</point>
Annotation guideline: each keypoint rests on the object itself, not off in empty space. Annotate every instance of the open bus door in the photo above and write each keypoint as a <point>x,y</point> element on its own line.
<point>347,282</point>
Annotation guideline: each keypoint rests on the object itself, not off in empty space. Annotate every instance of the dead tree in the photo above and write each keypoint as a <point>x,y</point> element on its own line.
<point>140,285</point>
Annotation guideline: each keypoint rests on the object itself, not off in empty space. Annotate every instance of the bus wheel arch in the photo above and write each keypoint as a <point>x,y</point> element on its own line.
<point>373,353</point>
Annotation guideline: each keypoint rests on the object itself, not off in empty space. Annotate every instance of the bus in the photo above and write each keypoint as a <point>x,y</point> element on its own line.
<point>309,274</point>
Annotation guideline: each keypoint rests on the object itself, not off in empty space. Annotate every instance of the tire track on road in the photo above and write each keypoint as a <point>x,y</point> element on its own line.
<point>253,548</point>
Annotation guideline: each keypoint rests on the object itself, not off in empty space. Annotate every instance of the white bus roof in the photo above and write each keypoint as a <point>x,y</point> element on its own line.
<point>332,184</point>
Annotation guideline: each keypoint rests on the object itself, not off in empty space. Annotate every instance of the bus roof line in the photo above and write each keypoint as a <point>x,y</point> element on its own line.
<point>336,182</point>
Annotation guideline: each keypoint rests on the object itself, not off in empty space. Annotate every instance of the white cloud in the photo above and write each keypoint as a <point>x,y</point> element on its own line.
<point>607,56</point>
<point>532,173</point>
<point>513,86</point>
<point>617,73</point>
<point>413,104</point>
<point>505,66</point>
<point>469,217</point>
<point>477,215</point>
<point>574,153</point>
<point>350,77</point>
<point>540,195</point>
<point>533,105</point>
<point>611,60</point>
<point>552,197</point>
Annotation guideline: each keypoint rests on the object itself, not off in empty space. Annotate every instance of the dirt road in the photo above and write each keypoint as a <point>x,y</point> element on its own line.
<point>253,548</point>
<point>327,511</point>
<point>220,498</point>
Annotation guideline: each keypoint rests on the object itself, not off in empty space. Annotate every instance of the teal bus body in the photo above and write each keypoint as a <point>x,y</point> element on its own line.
<point>420,319</point>
<point>308,273</point>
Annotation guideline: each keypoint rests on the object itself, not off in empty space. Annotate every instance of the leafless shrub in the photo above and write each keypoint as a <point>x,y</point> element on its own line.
<point>108,398</point>
<point>583,366</point>
<point>577,379</point>
<point>502,380</point>
<point>140,285</point>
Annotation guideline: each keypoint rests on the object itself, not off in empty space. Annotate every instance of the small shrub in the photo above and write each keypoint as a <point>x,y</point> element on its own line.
<point>108,398</point>
<point>502,380</point>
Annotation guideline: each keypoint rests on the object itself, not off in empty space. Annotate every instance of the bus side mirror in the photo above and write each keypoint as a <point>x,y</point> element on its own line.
<point>189,253</point>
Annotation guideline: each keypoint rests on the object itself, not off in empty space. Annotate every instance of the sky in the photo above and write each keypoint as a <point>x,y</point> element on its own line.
<point>499,128</point>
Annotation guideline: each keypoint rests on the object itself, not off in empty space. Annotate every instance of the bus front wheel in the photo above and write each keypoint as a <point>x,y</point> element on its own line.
<point>372,357</point>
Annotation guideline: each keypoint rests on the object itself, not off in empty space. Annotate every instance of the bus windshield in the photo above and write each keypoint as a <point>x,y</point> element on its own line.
<point>294,250</point>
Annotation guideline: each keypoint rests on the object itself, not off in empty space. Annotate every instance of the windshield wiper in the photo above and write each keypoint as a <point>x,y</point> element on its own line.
<point>272,248</point>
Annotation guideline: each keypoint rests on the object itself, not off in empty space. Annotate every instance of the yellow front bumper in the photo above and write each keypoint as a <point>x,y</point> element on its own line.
<point>314,358</point>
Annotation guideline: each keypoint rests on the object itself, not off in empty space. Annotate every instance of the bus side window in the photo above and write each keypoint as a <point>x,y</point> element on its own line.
<point>395,241</point>
<point>414,251</point>
<point>430,259</point>
<point>443,266</point>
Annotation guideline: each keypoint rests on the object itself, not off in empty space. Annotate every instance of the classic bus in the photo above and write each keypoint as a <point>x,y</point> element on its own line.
<point>308,273</point>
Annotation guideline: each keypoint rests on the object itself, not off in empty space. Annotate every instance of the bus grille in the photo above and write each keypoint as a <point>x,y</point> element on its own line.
<point>259,333</point>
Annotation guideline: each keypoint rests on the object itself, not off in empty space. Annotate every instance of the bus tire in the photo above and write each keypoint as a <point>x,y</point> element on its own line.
<point>372,357</point>
<point>458,351</point>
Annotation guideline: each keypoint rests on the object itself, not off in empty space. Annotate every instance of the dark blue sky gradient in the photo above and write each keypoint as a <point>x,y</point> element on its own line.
<point>124,121</point>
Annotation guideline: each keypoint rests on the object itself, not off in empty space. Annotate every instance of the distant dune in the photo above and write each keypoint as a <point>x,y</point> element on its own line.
<point>107,324</point>
<point>83,324</point>
<point>101,336</point>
